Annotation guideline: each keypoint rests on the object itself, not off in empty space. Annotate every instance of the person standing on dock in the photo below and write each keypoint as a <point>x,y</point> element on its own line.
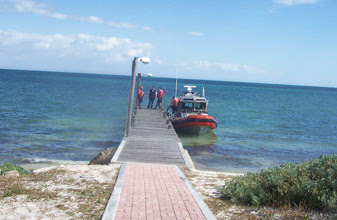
<point>140,95</point>
<point>152,97</point>
<point>160,95</point>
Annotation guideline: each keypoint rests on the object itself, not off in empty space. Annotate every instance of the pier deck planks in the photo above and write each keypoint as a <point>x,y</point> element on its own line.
<point>151,141</point>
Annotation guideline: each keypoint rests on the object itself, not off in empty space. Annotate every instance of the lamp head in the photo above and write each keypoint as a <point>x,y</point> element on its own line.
<point>145,60</point>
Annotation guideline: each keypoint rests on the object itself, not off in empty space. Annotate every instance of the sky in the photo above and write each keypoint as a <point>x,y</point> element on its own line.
<point>265,41</point>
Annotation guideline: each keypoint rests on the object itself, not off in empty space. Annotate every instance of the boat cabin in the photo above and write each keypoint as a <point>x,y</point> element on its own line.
<point>191,102</point>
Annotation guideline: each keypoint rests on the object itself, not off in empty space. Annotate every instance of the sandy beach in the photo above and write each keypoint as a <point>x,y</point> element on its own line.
<point>82,191</point>
<point>62,192</point>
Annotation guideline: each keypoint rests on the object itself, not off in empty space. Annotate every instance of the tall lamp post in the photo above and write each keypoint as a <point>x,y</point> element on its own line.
<point>144,60</point>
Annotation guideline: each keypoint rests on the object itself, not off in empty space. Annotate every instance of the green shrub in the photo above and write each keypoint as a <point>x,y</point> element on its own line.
<point>8,167</point>
<point>312,184</point>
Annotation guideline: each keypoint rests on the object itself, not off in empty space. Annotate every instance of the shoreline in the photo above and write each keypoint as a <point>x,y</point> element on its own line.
<point>32,164</point>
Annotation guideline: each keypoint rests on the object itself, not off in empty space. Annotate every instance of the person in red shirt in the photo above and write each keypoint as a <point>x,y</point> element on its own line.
<point>174,104</point>
<point>140,95</point>
<point>160,95</point>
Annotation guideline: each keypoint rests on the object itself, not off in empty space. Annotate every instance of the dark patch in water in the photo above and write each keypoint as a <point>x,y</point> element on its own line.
<point>103,144</point>
<point>33,148</point>
<point>194,151</point>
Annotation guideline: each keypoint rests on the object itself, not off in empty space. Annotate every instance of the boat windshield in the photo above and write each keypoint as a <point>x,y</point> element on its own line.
<point>200,106</point>
<point>187,105</point>
<point>193,106</point>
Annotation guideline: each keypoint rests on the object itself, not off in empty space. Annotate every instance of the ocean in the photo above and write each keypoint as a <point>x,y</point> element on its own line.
<point>53,117</point>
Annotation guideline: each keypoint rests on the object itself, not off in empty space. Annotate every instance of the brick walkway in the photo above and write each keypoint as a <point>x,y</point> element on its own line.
<point>156,192</point>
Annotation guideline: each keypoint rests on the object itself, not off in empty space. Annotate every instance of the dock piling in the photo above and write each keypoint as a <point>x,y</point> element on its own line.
<point>132,91</point>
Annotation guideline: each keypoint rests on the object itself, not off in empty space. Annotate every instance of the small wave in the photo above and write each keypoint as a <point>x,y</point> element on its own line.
<point>50,161</point>
<point>31,164</point>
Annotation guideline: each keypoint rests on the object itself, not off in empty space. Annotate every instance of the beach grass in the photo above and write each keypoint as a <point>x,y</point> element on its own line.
<point>12,186</point>
<point>210,184</point>
<point>9,167</point>
<point>312,185</point>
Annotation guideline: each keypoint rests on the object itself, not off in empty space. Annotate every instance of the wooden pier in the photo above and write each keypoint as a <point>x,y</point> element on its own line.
<point>152,139</point>
<point>150,184</point>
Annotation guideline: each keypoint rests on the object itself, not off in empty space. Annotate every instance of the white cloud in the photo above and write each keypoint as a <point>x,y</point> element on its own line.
<point>157,60</point>
<point>95,19</point>
<point>98,20</point>
<point>295,2</point>
<point>215,70</point>
<point>119,24</point>
<point>202,64</point>
<point>42,44</point>
<point>37,41</point>
<point>147,28</point>
<point>208,65</point>
<point>58,15</point>
<point>36,8</point>
<point>231,67</point>
<point>31,6</point>
<point>135,52</point>
<point>195,34</point>
<point>111,49</point>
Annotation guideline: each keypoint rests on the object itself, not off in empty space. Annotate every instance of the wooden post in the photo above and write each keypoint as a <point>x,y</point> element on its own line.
<point>139,78</point>
<point>132,90</point>
<point>133,121</point>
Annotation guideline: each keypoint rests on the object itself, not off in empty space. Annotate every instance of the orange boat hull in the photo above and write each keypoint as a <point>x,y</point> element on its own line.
<point>194,124</point>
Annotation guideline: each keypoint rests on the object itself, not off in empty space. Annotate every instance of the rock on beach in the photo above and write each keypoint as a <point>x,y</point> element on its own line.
<point>104,157</point>
<point>12,173</point>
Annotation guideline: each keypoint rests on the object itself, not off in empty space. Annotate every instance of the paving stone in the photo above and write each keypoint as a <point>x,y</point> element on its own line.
<point>167,198</point>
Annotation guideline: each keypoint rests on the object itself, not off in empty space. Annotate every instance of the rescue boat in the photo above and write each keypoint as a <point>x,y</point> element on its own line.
<point>191,117</point>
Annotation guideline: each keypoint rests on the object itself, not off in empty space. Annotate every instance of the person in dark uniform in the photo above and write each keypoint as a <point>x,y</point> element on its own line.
<point>152,97</point>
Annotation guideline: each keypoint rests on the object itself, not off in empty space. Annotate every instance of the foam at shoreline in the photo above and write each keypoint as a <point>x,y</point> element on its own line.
<point>31,164</point>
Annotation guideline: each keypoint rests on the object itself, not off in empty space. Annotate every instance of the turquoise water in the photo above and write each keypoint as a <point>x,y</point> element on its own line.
<point>49,116</point>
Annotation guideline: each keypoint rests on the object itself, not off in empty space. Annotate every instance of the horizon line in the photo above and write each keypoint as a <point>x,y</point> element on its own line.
<point>114,74</point>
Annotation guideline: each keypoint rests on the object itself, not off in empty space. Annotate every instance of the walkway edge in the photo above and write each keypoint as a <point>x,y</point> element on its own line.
<point>111,207</point>
<point>198,199</point>
<point>183,153</point>
<point>119,150</point>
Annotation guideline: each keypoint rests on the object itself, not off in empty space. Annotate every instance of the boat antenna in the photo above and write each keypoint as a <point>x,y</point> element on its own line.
<point>177,71</point>
<point>203,91</point>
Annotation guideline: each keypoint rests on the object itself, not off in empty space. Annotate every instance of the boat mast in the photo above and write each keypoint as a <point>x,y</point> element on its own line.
<point>177,71</point>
